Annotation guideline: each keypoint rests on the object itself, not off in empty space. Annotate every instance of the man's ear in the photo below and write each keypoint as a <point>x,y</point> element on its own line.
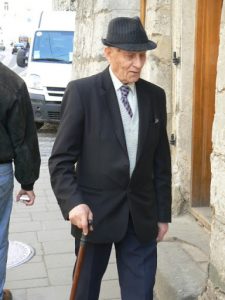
<point>107,52</point>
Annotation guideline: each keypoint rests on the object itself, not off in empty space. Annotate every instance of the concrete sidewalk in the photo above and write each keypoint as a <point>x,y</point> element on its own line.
<point>182,256</point>
<point>183,260</point>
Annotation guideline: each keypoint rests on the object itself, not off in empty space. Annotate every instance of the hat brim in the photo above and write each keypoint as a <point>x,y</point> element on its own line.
<point>150,45</point>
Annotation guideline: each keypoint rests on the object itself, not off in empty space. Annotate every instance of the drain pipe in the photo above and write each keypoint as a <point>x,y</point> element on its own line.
<point>142,11</point>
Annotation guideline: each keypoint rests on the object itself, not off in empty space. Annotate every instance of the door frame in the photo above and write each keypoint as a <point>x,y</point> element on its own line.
<point>208,14</point>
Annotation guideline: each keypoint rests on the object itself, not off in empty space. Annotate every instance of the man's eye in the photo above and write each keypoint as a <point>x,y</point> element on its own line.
<point>130,55</point>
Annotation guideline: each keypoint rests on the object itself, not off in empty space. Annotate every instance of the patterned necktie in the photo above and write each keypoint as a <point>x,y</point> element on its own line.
<point>124,93</point>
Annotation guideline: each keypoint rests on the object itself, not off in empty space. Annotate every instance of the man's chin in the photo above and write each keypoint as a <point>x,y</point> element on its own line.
<point>135,79</point>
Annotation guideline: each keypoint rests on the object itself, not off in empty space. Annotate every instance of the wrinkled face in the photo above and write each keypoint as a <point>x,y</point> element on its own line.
<point>126,65</point>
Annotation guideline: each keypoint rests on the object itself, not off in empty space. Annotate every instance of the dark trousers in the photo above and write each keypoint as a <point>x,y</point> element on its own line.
<point>136,264</point>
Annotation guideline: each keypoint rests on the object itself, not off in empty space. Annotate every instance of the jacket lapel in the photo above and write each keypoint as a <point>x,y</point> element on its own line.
<point>110,98</point>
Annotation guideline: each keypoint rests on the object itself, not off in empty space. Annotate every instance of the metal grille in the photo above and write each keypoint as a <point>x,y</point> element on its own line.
<point>54,115</point>
<point>55,91</point>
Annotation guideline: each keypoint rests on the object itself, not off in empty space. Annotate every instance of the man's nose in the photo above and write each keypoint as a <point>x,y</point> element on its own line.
<point>138,61</point>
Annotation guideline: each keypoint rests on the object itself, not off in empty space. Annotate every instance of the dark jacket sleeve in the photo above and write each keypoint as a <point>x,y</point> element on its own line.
<point>162,165</point>
<point>23,135</point>
<point>66,151</point>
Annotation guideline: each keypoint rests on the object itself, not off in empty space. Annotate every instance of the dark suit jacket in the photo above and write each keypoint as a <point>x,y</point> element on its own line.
<point>91,135</point>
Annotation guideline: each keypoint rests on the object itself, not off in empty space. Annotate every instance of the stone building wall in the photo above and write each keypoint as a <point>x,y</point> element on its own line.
<point>158,26</point>
<point>63,4</point>
<point>216,283</point>
<point>170,23</point>
<point>92,17</point>
<point>158,67</point>
<point>183,36</point>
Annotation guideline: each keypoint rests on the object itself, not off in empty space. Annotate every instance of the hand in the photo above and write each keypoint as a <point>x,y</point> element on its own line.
<point>30,195</point>
<point>79,216</point>
<point>163,228</point>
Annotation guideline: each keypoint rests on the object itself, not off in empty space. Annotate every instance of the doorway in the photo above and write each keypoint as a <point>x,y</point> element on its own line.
<point>208,16</point>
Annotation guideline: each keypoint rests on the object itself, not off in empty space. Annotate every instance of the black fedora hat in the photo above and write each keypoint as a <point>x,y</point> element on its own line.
<point>128,34</point>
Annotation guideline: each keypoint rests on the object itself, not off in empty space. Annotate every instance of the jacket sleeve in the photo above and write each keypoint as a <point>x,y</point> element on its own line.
<point>162,165</point>
<point>23,135</point>
<point>66,151</point>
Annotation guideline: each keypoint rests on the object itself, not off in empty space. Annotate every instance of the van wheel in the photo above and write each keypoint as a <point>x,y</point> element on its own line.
<point>39,125</point>
<point>20,58</point>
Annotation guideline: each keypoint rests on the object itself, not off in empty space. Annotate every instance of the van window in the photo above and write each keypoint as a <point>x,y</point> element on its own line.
<point>53,46</point>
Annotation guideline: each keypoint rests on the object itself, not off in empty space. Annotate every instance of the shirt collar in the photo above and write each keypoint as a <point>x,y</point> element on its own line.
<point>117,83</point>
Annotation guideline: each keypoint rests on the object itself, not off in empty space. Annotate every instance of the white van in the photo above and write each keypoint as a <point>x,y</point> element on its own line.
<point>49,64</point>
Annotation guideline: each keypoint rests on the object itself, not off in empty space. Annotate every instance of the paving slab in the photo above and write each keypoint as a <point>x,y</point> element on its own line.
<point>48,293</point>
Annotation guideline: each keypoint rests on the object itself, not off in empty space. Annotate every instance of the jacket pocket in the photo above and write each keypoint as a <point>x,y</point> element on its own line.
<point>154,131</point>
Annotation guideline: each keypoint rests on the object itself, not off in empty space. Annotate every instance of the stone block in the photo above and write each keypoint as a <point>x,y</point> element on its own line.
<point>55,215</point>
<point>47,293</point>
<point>26,284</point>
<point>60,260</point>
<point>110,290</point>
<point>20,294</point>
<point>217,243</point>
<point>25,237</point>
<point>63,246</point>
<point>60,276</point>
<point>111,272</point>
<point>108,5</point>
<point>25,226</point>
<point>27,271</point>
<point>54,235</point>
<point>55,224</point>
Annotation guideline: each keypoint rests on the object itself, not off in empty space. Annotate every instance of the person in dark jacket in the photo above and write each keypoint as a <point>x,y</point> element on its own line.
<point>18,146</point>
<point>113,127</point>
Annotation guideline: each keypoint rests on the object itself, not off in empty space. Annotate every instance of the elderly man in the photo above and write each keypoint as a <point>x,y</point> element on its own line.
<point>113,127</point>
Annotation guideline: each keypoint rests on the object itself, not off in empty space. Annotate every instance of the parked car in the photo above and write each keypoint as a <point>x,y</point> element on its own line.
<point>2,46</point>
<point>17,46</point>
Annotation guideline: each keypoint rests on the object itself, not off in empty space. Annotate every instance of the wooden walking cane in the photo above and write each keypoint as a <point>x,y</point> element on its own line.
<point>79,262</point>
